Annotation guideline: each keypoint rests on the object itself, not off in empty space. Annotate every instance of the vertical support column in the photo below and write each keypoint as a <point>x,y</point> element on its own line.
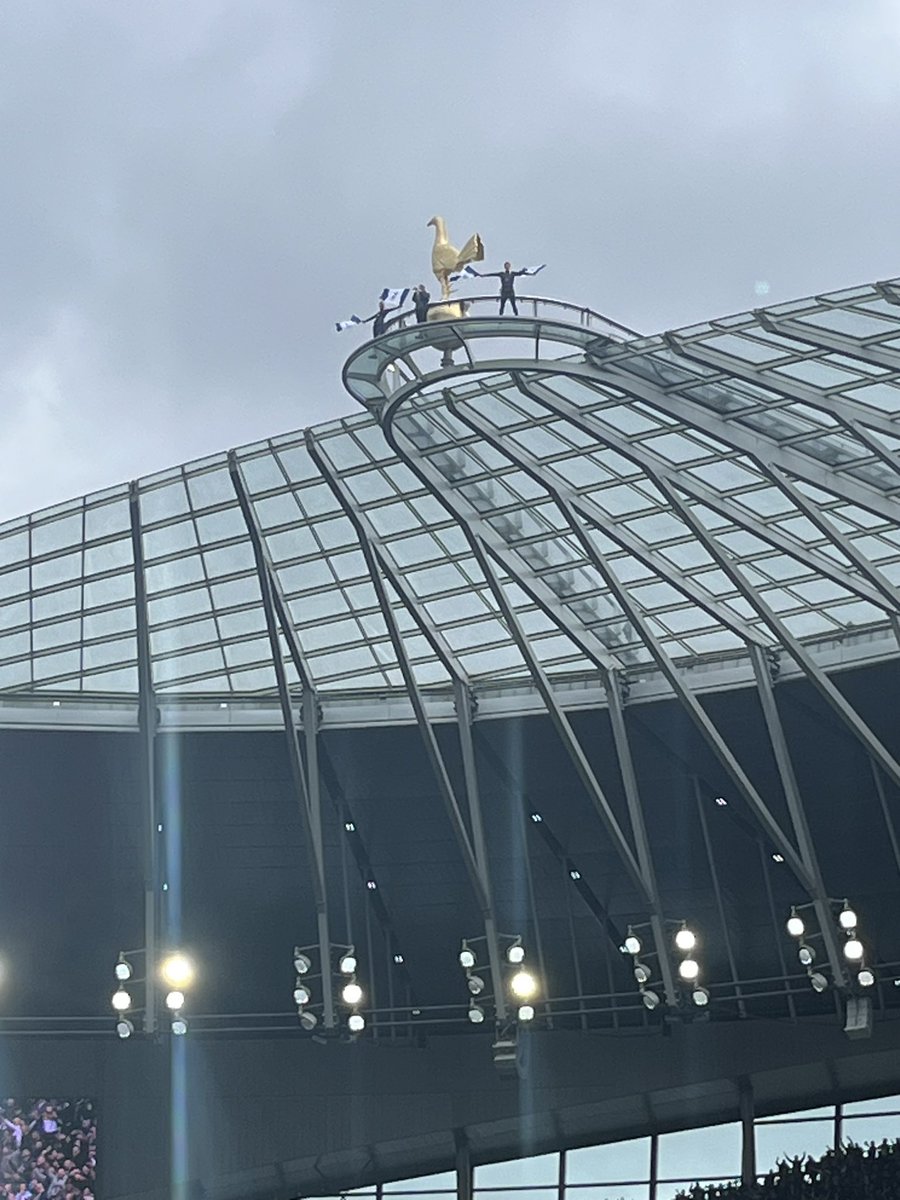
<point>561,1177</point>
<point>639,831</point>
<point>306,783</point>
<point>720,906</point>
<point>748,1133</point>
<point>472,847</point>
<point>838,1126</point>
<point>464,1189</point>
<point>885,811</point>
<point>654,1165</point>
<point>147,720</point>
<point>311,745</point>
<point>464,704</point>
<point>789,786</point>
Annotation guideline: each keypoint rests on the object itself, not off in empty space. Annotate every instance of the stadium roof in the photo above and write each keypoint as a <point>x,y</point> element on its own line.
<point>540,515</point>
<point>613,500</point>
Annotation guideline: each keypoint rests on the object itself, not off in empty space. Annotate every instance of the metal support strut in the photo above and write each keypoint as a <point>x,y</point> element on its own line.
<point>305,776</point>
<point>147,722</point>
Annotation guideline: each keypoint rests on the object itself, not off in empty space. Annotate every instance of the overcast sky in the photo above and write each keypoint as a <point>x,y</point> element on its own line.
<point>192,193</point>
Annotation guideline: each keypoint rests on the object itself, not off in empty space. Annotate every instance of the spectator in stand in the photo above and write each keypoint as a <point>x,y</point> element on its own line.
<point>47,1150</point>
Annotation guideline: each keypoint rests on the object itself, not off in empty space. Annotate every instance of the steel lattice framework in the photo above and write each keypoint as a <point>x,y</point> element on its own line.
<point>534,514</point>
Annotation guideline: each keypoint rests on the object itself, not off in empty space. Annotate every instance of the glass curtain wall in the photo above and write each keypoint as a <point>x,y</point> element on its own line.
<point>657,1168</point>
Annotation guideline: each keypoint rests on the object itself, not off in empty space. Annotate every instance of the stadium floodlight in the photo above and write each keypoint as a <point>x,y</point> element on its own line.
<point>466,958</point>
<point>175,1000</point>
<point>177,970</point>
<point>308,1020</point>
<point>523,985</point>
<point>515,954</point>
<point>649,999</point>
<point>795,926</point>
<point>818,981</point>
<point>807,955</point>
<point>302,962</point>
<point>642,972</point>
<point>347,963</point>
<point>123,969</point>
<point>847,917</point>
<point>685,939</point>
<point>865,977</point>
<point>475,984</point>
<point>853,949</point>
<point>476,1013</point>
<point>526,1012</point>
<point>352,993</point>
<point>302,994</point>
<point>179,1026</point>
<point>124,1027</point>
<point>688,969</point>
<point>632,944</point>
<point>700,997</point>
<point>356,1022</point>
<point>121,1000</point>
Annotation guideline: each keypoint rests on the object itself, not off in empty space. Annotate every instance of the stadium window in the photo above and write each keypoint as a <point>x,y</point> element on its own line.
<point>625,1165</point>
<point>424,1185</point>
<point>871,1120</point>
<point>694,1155</point>
<point>800,1134</point>
<point>615,1191</point>
<point>540,1171</point>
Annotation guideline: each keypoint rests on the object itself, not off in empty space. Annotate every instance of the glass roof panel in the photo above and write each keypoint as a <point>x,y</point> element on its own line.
<point>704,410</point>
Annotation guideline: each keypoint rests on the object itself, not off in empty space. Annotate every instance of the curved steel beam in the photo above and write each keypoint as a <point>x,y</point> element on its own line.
<point>305,774</point>
<point>590,512</point>
<point>849,415</point>
<point>798,652</point>
<point>682,690</point>
<point>484,553</point>
<point>704,494</point>
<point>866,349</point>
<point>473,847</point>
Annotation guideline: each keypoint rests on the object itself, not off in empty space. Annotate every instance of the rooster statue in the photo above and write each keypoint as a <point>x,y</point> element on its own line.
<point>446,260</point>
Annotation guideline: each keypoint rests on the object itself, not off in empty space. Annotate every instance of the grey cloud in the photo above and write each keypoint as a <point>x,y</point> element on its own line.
<point>193,194</point>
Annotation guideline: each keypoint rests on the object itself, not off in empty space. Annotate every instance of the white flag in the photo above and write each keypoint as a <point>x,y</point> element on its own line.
<point>468,272</point>
<point>354,320</point>
<point>394,297</point>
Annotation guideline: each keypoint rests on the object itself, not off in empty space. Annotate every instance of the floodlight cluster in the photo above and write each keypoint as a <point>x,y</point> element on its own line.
<point>684,945</point>
<point>852,947</point>
<point>351,992</point>
<point>522,983</point>
<point>176,970</point>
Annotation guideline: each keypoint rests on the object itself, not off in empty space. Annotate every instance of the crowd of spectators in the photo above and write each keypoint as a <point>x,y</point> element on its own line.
<point>851,1173</point>
<point>48,1150</point>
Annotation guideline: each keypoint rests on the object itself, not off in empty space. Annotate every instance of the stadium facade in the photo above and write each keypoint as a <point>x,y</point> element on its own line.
<point>568,639</point>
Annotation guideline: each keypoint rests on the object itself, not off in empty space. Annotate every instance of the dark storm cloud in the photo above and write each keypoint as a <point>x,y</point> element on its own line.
<point>193,193</point>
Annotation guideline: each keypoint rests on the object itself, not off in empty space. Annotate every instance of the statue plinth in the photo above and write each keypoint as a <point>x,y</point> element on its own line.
<point>452,310</point>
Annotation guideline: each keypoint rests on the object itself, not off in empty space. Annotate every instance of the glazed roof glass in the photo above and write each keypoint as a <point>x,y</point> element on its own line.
<point>602,478</point>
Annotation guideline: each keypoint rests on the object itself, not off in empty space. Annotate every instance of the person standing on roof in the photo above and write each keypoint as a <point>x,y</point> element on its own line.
<point>421,299</point>
<point>379,319</point>
<point>507,279</point>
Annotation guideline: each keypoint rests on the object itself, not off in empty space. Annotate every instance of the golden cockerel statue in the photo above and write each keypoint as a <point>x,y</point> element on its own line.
<point>446,260</point>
